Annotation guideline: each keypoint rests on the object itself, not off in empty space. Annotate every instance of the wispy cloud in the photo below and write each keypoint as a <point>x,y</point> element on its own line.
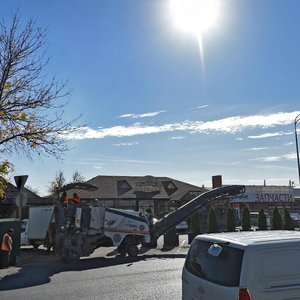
<point>202,106</point>
<point>232,163</point>
<point>140,116</point>
<point>227,125</point>
<point>260,148</point>
<point>268,158</point>
<point>100,162</point>
<point>288,156</point>
<point>289,144</point>
<point>136,161</point>
<point>126,144</point>
<point>176,138</point>
<point>270,135</point>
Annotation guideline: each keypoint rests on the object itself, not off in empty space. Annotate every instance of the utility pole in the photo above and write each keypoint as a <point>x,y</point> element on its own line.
<point>297,149</point>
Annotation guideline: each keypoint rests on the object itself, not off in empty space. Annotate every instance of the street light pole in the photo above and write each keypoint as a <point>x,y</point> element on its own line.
<point>296,138</point>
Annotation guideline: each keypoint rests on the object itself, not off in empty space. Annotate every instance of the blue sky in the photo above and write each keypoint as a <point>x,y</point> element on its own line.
<point>151,104</point>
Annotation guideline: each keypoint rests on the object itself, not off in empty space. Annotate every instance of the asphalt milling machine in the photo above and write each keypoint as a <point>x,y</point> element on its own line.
<point>79,229</point>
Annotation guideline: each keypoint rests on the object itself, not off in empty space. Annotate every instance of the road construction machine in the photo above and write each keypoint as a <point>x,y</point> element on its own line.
<point>79,229</point>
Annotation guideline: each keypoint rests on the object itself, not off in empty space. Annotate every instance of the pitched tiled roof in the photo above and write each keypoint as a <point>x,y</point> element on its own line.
<point>11,194</point>
<point>132,187</point>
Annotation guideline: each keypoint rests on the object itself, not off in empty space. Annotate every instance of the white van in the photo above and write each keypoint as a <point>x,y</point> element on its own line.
<point>254,265</point>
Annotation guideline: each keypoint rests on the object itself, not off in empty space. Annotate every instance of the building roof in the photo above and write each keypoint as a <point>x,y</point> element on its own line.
<point>133,187</point>
<point>11,194</point>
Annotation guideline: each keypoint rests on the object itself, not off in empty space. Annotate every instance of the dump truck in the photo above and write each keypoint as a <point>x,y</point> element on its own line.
<point>82,228</point>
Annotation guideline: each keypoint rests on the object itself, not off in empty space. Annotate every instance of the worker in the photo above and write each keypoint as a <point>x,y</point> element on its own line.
<point>49,239</point>
<point>76,198</point>
<point>6,247</point>
<point>150,216</point>
<point>64,200</point>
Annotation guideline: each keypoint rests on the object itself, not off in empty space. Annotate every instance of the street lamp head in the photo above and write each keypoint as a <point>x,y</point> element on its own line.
<point>297,119</point>
<point>297,149</point>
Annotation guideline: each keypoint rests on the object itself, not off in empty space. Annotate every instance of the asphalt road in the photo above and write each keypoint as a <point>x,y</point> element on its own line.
<point>154,274</point>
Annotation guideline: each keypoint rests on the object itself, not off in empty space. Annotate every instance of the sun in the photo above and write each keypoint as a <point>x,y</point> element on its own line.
<point>195,16</point>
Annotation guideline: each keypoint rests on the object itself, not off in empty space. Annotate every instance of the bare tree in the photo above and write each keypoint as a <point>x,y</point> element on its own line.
<point>31,115</point>
<point>77,177</point>
<point>58,182</point>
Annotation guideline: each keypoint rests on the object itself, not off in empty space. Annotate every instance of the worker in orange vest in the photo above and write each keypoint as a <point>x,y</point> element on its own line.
<point>76,198</point>
<point>64,200</point>
<point>6,247</point>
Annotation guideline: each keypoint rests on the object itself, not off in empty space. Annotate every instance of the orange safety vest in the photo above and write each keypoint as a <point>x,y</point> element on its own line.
<point>6,240</point>
<point>76,199</point>
<point>66,200</point>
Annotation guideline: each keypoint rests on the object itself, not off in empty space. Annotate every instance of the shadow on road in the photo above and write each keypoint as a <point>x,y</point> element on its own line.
<point>34,273</point>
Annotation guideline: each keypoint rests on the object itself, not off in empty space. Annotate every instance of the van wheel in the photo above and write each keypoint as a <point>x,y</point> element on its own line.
<point>132,250</point>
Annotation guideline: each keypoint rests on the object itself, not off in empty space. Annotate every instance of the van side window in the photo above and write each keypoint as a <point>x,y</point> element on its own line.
<point>224,269</point>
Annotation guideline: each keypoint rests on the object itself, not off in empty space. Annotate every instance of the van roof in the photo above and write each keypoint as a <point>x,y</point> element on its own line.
<point>245,238</point>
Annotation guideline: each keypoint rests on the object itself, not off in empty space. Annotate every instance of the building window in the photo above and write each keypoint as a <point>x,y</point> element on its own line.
<point>123,187</point>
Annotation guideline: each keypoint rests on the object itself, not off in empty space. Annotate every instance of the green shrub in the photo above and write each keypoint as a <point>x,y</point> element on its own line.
<point>288,222</point>
<point>262,220</point>
<point>212,221</point>
<point>230,220</point>
<point>277,221</point>
<point>195,223</point>
<point>246,221</point>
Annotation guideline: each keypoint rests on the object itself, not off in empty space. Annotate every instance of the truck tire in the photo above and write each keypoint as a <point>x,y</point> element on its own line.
<point>150,245</point>
<point>132,250</point>
<point>122,250</point>
<point>71,256</point>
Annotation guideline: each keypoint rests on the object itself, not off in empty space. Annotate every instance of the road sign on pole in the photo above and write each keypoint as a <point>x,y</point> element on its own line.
<point>20,181</point>
<point>21,199</point>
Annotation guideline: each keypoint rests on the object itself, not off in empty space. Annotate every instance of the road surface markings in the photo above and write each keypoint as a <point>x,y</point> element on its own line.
<point>180,246</point>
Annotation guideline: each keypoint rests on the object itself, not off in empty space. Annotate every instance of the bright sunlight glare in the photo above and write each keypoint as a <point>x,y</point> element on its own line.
<point>195,16</point>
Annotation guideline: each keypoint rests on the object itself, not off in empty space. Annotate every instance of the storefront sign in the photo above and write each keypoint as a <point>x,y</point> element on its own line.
<point>267,194</point>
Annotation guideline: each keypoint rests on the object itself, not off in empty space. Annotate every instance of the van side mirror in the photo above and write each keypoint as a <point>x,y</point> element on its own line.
<point>215,250</point>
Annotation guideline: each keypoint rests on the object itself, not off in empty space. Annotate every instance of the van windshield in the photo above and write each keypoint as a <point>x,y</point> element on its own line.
<point>224,269</point>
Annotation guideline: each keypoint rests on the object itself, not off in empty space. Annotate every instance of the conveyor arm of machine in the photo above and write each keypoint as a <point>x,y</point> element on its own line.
<point>162,226</point>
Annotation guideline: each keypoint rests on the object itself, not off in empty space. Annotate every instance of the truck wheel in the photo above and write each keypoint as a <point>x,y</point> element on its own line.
<point>150,245</point>
<point>122,250</point>
<point>71,256</point>
<point>132,250</point>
